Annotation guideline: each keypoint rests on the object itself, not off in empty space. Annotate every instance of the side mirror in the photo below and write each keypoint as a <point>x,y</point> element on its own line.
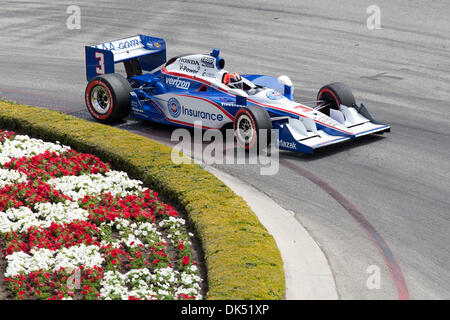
<point>288,86</point>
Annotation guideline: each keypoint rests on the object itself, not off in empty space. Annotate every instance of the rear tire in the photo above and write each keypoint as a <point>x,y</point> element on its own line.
<point>251,124</point>
<point>335,94</point>
<point>107,97</point>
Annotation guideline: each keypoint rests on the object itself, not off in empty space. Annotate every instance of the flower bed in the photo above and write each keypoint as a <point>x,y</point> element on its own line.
<point>73,228</point>
<point>241,259</point>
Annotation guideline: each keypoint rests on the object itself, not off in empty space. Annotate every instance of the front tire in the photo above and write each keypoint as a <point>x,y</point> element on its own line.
<point>250,125</point>
<point>333,95</point>
<point>107,97</point>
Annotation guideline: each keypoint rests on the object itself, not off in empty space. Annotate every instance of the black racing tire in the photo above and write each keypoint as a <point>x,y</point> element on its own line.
<point>107,97</point>
<point>257,120</point>
<point>335,94</point>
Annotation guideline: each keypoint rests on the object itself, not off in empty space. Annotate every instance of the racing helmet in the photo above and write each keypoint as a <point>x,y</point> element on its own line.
<point>233,80</point>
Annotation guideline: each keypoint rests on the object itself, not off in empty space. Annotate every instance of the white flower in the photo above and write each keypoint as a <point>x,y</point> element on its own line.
<point>44,213</point>
<point>115,182</point>
<point>165,276</point>
<point>19,219</point>
<point>45,259</point>
<point>61,212</point>
<point>115,285</point>
<point>131,241</point>
<point>20,262</point>
<point>24,146</point>
<point>11,177</point>
<point>189,279</point>
<point>73,257</point>
<point>172,223</point>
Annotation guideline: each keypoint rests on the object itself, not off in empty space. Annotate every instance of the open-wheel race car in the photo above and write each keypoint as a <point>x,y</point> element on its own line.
<point>190,88</point>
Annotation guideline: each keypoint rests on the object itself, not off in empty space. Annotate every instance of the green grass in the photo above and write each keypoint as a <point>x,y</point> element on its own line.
<point>242,259</point>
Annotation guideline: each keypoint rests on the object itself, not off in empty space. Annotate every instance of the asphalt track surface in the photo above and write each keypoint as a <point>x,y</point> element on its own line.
<point>381,201</point>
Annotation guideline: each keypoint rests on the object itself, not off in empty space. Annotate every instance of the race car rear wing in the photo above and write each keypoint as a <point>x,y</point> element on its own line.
<point>138,53</point>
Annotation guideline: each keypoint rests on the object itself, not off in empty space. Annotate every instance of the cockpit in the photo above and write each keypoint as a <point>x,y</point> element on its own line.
<point>210,68</point>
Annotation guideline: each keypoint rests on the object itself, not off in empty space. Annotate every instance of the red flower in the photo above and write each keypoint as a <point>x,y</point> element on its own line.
<point>186,260</point>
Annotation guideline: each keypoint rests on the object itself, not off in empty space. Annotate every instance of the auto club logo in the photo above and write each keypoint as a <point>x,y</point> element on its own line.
<point>174,107</point>
<point>273,95</point>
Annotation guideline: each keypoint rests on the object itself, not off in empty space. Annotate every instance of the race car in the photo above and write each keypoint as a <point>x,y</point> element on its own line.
<point>195,88</point>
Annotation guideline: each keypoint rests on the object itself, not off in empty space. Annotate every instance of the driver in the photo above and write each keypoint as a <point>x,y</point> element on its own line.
<point>233,80</point>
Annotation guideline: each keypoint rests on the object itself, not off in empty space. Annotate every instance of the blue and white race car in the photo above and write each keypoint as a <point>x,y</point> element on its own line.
<point>190,88</point>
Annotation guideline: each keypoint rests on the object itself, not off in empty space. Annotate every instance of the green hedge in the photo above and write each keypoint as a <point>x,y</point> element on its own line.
<point>242,258</point>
